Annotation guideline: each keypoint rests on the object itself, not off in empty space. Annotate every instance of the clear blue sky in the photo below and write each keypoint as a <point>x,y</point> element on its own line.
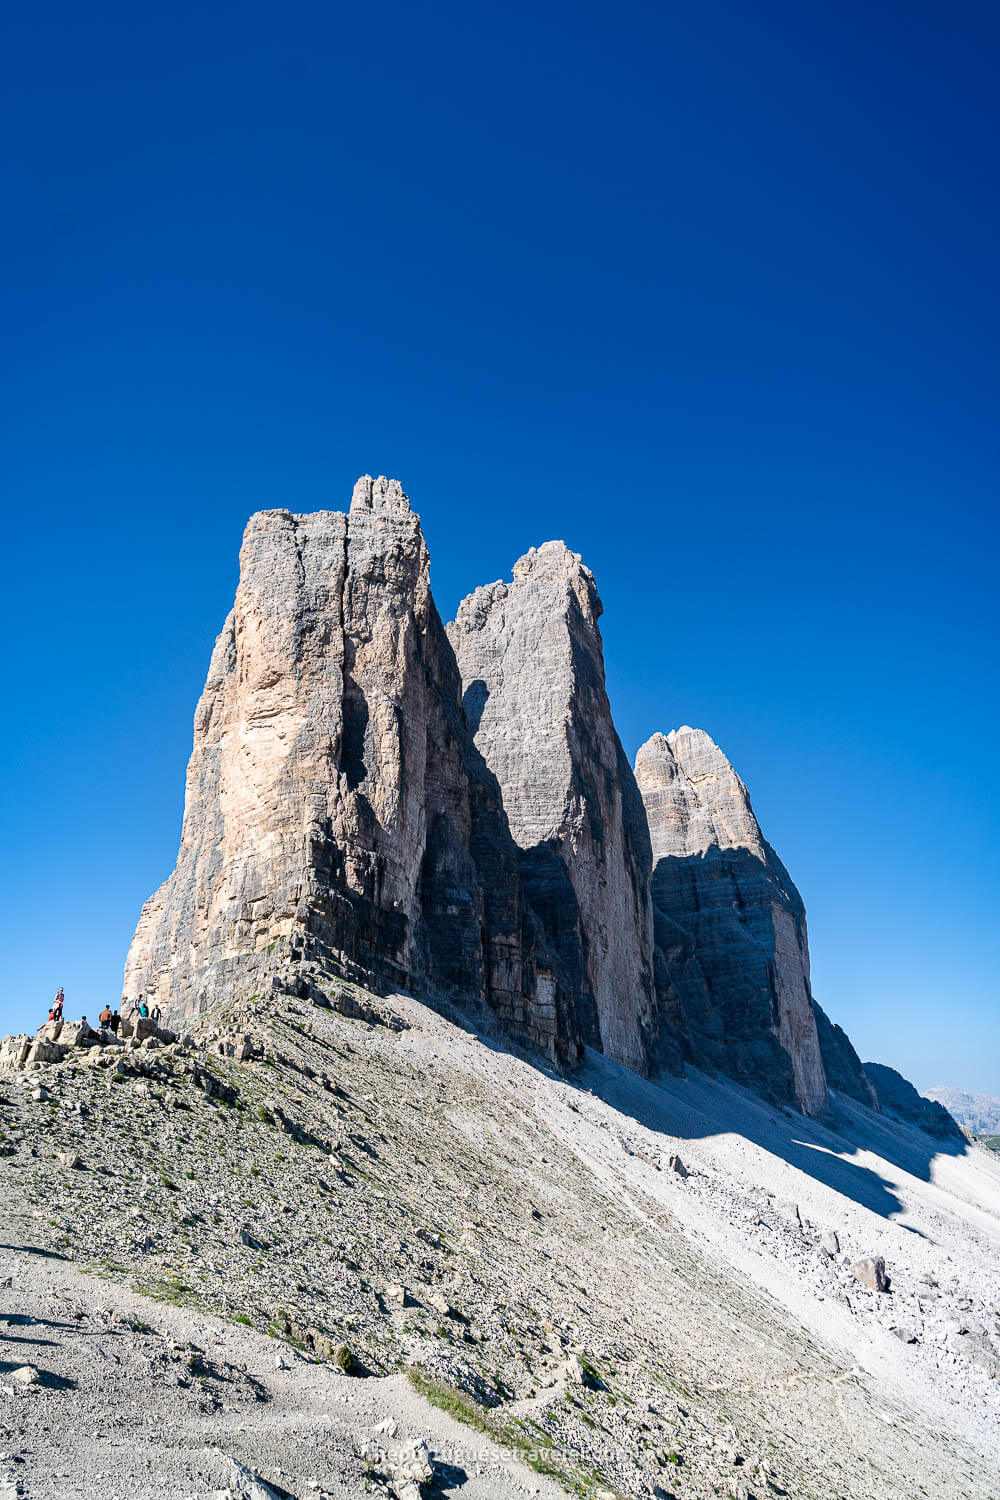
<point>709,291</point>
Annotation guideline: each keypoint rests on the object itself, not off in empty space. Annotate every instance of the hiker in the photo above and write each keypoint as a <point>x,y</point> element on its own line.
<point>142,1008</point>
<point>115,1022</point>
<point>105,1017</point>
<point>56,1013</point>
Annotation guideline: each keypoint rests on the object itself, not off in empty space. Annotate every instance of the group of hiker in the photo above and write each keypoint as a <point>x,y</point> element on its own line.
<point>110,1019</point>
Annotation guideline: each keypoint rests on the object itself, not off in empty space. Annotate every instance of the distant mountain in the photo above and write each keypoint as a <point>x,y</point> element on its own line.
<point>979,1113</point>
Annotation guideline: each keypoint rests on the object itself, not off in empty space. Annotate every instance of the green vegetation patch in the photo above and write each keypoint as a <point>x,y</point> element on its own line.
<point>516,1436</point>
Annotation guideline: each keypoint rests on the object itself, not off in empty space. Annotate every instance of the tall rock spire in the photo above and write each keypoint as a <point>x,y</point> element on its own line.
<point>337,815</point>
<point>717,880</point>
<point>532,664</point>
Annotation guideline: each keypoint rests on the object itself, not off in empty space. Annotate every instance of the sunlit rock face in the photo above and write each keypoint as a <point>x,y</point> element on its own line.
<point>338,817</point>
<point>532,664</point>
<point>733,960</point>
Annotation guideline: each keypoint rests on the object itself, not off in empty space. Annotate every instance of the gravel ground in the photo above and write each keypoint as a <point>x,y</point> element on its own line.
<point>139,1399</point>
<point>413,1192</point>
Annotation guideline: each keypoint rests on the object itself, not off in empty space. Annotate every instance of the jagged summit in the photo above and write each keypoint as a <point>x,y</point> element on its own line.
<point>451,813</point>
<point>380,494</point>
<point>694,799</point>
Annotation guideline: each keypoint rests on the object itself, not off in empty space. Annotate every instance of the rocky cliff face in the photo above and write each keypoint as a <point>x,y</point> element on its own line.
<point>338,817</point>
<point>373,798</point>
<point>844,1069</point>
<point>532,665</point>
<point>734,960</point>
<point>900,1099</point>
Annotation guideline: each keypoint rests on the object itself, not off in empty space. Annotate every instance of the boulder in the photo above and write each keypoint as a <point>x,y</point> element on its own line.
<point>871,1273</point>
<point>239,1046</point>
<point>43,1051</point>
<point>244,1484</point>
<point>14,1051</point>
<point>78,1034</point>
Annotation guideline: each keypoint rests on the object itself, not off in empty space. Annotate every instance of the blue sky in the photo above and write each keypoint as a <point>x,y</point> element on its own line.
<point>708,291</point>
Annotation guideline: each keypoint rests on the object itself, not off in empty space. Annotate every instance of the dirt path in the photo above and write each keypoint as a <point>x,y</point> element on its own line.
<point>126,1409</point>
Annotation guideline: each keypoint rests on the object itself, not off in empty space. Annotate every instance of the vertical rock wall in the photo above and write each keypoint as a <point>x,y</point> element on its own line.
<point>740,992</point>
<point>372,797</point>
<point>532,664</point>
<point>337,813</point>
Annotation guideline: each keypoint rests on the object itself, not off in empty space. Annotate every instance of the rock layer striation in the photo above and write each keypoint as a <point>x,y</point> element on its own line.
<point>338,816</point>
<point>532,664</point>
<point>371,798</point>
<point>733,965</point>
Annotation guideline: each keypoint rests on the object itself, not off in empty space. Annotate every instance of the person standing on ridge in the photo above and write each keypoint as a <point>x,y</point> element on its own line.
<point>56,1013</point>
<point>105,1016</point>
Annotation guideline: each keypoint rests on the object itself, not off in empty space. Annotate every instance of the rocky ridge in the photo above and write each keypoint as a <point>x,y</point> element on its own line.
<point>900,1099</point>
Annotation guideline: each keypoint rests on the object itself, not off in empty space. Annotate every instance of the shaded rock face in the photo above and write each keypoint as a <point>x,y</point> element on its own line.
<point>844,1070</point>
<point>337,814</point>
<point>900,1099</point>
<point>733,960</point>
<point>532,665</point>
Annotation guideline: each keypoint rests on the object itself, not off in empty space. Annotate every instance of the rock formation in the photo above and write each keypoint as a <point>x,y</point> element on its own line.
<point>900,1099</point>
<point>532,664</point>
<point>844,1071</point>
<point>734,957</point>
<point>372,799</point>
<point>338,817</point>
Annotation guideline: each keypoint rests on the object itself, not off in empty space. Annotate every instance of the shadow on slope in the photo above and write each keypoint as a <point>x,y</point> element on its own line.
<point>699,1107</point>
